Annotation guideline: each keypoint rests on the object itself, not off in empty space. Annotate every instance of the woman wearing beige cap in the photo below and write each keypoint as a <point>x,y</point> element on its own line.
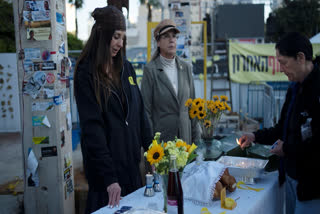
<point>166,85</point>
<point>113,122</point>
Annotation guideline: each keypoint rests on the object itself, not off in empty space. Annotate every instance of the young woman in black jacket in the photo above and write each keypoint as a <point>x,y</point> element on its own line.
<point>113,123</point>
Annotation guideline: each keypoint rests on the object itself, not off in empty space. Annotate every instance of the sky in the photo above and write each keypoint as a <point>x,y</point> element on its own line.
<point>90,5</point>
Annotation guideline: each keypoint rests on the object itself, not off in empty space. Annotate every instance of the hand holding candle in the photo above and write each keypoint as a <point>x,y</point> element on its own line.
<point>245,140</point>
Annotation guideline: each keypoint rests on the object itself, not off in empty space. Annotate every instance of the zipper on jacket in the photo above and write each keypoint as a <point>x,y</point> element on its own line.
<point>126,119</point>
<point>122,106</point>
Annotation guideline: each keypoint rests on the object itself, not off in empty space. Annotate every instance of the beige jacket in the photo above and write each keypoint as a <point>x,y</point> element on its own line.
<point>166,111</point>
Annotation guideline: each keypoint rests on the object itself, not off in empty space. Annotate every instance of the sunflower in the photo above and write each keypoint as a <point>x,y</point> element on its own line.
<point>207,123</point>
<point>215,97</point>
<point>200,107</point>
<point>227,106</point>
<point>223,98</point>
<point>155,154</point>
<point>201,115</point>
<point>188,102</point>
<point>193,113</point>
<point>198,101</point>
<point>221,106</point>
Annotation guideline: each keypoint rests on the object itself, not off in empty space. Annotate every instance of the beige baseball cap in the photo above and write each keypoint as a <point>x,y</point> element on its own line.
<point>163,27</point>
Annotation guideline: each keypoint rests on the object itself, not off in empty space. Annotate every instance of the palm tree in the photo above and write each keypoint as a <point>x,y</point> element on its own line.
<point>78,4</point>
<point>151,3</point>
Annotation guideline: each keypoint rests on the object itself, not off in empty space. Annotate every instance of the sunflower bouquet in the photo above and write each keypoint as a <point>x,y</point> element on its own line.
<point>159,153</point>
<point>207,112</point>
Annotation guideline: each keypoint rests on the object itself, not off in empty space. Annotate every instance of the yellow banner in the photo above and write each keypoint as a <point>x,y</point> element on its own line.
<point>256,62</point>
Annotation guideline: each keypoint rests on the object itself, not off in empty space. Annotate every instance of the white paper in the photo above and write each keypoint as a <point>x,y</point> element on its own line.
<point>46,122</point>
<point>64,107</point>
<point>32,162</point>
<point>69,122</point>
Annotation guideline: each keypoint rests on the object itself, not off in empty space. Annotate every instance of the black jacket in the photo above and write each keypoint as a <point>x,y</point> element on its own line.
<point>111,137</point>
<point>301,155</point>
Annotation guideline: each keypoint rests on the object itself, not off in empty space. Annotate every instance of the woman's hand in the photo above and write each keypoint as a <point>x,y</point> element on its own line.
<point>246,139</point>
<point>277,148</point>
<point>114,191</point>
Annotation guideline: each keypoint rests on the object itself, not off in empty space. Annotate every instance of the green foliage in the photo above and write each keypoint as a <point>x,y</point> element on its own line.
<point>77,3</point>
<point>7,38</point>
<point>74,43</point>
<point>296,15</point>
<point>154,3</point>
<point>151,3</point>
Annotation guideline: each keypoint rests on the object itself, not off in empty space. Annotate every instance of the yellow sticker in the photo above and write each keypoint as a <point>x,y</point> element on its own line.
<point>131,80</point>
<point>40,140</point>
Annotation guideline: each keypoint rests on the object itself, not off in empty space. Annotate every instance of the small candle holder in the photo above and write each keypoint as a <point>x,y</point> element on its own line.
<point>156,182</point>
<point>149,192</point>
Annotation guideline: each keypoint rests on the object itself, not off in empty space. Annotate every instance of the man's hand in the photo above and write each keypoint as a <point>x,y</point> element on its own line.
<point>246,139</point>
<point>114,191</point>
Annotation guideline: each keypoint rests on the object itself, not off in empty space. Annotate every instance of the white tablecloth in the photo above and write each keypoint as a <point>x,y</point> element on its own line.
<point>268,201</point>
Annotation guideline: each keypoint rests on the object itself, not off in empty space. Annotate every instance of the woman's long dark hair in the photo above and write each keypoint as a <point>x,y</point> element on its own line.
<point>97,51</point>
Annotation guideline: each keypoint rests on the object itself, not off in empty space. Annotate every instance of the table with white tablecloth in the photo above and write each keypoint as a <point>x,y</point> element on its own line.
<point>270,200</point>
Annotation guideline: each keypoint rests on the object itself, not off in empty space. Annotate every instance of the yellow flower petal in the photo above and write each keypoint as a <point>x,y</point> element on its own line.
<point>192,148</point>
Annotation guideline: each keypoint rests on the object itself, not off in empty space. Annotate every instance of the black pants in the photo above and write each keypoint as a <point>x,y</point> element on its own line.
<point>96,200</point>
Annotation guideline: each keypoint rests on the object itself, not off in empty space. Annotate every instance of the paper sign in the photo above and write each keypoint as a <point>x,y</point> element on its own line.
<point>28,66</point>
<point>40,140</point>
<point>48,92</point>
<point>45,66</point>
<point>62,48</point>
<point>60,18</point>
<point>68,188</point>
<point>67,174</point>
<point>42,106</point>
<point>34,84</point>
<point>49,151</point>
<point>63,107</point>
<point>67,160</point>
<point>38,34</point>
<point>37,5</point>
<point>29,16</point>
<point>32,53</point>
<point>37,120</point>
<point>50,78</point>
<point>58,100</point>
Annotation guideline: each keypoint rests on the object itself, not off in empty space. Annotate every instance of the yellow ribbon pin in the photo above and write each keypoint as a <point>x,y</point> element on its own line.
<point>131,80</point>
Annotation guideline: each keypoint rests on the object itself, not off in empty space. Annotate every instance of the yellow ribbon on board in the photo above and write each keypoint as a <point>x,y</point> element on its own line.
<point>247,187</point>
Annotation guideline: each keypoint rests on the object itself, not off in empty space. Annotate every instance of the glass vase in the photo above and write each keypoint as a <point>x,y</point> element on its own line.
<point>164,182</point>
<point>211,148</point>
